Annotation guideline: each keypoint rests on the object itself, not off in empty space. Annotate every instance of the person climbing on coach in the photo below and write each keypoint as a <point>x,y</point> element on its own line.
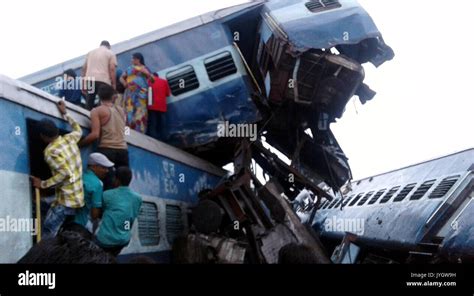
<point>64,160</point>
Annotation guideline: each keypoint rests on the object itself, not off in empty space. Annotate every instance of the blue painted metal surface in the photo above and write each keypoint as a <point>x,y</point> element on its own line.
<point>347,25</point>
<point>193,121</point>
<point>460,242</point>
<point>324,29</point>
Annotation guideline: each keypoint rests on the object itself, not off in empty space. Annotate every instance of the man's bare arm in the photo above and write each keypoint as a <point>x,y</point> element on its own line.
<point>95,129</point>
<point>112,72</point>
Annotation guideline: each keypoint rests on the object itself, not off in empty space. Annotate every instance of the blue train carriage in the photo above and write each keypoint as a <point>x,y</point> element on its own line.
<point>167,178</point>
<point>424,212</point>
<point>204,67</point>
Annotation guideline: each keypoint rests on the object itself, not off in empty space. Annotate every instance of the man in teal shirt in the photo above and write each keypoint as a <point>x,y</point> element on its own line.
<point>98,166</point>
<point>120,207</point>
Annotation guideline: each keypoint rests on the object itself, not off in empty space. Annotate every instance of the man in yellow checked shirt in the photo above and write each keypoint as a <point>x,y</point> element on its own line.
<point>64,159</point>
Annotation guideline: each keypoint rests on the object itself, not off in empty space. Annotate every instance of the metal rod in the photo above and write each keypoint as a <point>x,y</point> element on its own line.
<point>38,214</point>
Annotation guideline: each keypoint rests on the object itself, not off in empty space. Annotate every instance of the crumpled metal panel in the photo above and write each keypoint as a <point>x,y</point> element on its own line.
<point>346,26</point>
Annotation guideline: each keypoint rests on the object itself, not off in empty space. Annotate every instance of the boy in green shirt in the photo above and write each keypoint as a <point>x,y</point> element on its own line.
<point>120,207</point>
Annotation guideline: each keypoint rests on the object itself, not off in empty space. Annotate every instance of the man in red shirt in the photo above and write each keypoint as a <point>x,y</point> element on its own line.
<point>160,91</point>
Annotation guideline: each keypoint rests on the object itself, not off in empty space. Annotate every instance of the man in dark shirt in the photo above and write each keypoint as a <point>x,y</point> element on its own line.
<point>71,88</point>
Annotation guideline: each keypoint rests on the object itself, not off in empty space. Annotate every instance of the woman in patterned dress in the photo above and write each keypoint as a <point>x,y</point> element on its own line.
<point>135,99</point>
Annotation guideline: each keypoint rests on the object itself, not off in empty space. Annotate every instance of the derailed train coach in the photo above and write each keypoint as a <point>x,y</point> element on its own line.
<point>420,213</point>
<point>285,65</point>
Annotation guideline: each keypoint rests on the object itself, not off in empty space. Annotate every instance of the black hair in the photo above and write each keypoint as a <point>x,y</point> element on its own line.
<point>293,253</point>
<point>106,92</point>
<point>46,127</point>
<point>139,57</point>
<point>105,43</point>
<point>123,175</point>
<point>70,72</point>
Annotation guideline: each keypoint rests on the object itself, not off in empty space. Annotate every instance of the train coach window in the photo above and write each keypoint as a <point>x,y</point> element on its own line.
<point>322,204</point>
<point>333,203</point>
<point>376,196</point>
<point>421,191</point>
<point>220,66</point>
<point>327,204</point>
<point>336,204</point>
<point>389,194</point>
<point>182,80</point>
<point>148,225</point>
<point>444,186</point>
<point>365,198</point>
<point>321,5</point>
<point>346,200</point>
<point>174,222</point>
<point>404,192</point>
<point>356,199</point>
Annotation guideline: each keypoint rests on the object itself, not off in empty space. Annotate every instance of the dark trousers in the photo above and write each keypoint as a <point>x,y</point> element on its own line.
<point>92,94</point>
<point>112,250</point>
<point>154,123</point>
<point>119,157</point>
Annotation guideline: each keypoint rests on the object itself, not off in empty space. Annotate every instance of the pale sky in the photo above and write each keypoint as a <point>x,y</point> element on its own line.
<point>424,104</point>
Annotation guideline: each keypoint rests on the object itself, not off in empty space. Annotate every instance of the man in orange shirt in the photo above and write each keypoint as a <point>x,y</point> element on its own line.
<point>160,91</point>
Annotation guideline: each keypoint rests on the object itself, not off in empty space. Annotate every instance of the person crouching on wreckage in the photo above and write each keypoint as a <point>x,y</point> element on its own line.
<point>64,160</point>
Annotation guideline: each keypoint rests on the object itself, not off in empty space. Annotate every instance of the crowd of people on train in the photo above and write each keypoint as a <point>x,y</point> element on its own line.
<point>98,201</point>
<point>138,91</point>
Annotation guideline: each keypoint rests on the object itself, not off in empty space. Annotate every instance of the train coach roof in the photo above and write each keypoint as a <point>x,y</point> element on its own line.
<point>454,163</point>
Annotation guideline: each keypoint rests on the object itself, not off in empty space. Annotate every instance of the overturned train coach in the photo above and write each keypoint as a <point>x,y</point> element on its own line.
<point>284,65</point>
<point>421,213</point>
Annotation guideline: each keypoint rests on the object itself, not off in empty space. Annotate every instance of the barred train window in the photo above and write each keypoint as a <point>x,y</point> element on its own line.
<point>421,191</point>
<point>444,186</point>
<point>321,5</point>
<point>174,222</point>
<point>182,80</point>
<point>148,225</point>
<point>220,66</point>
